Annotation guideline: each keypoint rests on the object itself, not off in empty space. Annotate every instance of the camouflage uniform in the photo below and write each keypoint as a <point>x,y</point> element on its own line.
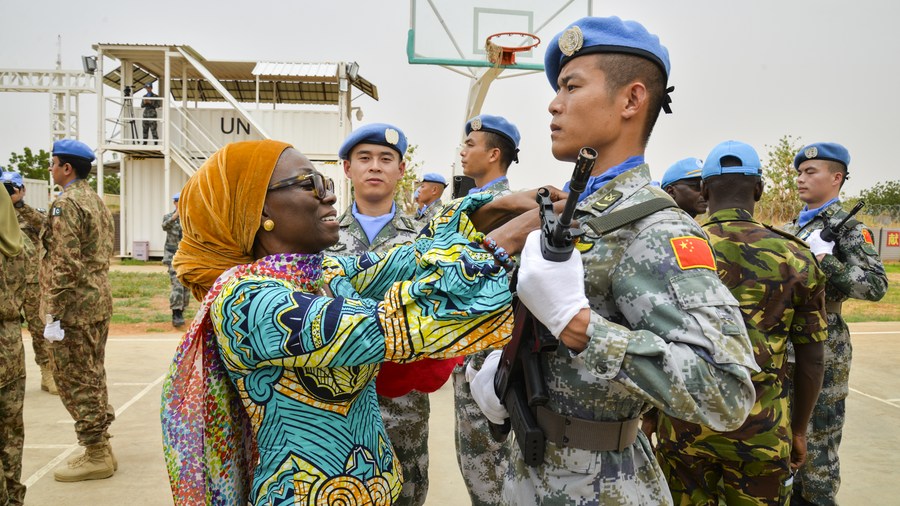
<point>482,461</point>
<point>430,212</point>
<point>405,417</point>
<point>179,295</point>
<point>854,270</point>
<point>13,277</point>
<point>659,335</point>
<point>781,290</point>
<point>78,242</point>
<point>31,221</point>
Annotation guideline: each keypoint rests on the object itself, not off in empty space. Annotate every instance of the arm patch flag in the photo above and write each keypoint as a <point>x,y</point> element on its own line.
<point>693,253</point>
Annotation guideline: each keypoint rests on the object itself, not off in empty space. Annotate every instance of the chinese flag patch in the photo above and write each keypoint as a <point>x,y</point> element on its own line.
<point>693,253</point>
<point>867,236</point>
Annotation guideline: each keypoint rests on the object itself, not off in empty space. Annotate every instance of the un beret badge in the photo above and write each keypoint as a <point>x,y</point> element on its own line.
<point>476,124</point>
<point>811,152</point>
<point>571,41</point>
<point>391,136</point>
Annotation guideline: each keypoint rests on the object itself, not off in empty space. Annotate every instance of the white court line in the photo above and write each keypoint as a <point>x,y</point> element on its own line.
<point>874,333</point>
<point>879,399</point>
<point>71,448</point>
<point>46,447</point>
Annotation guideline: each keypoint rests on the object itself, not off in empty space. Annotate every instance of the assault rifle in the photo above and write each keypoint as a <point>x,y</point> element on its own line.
<point>519,382</point>
<point>832,232</point>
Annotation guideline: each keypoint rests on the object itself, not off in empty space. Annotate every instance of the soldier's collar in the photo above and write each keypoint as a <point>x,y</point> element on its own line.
<point>346,219</point>
<point>617,191</point>
<point>731,214</point>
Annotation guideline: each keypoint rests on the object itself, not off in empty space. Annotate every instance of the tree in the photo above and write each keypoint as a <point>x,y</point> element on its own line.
<point>403,194</point>
<point>780,201</point>
<point>882,201</point>
<point>31,165</point>
<point>111,183</point>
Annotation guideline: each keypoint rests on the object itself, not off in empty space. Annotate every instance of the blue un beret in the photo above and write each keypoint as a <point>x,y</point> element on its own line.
<point>71,147</point>
<point>592,35</point>
<point>750,165</point>
<point>823,151</point>
<point>12,177</point>
<point>496,124</point>
<point>376,133</point>
<point>176,196</point>
<point>688,168</point>
<point>433,177</point>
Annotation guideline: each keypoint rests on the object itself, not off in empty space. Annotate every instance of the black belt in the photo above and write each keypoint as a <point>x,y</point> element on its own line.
<point>588,435</point>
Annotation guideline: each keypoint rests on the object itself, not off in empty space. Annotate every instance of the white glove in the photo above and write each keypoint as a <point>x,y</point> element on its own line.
<point>482,387</point>
<point>53,331</point>
<point>818,246</point>
<point>552,291</point>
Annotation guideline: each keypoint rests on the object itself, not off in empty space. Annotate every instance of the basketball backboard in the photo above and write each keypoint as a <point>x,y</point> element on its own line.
<point>453,32</point>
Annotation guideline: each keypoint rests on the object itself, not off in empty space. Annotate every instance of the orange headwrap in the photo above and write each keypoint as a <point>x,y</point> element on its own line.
<point>220,207</point>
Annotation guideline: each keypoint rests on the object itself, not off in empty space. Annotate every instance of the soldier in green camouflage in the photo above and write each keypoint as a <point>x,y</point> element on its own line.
<point>178,294</point>
<point>31,221</point>
<point>853,270</point>
<point>15,252</point>
<point>428,197</point>
<point>373,161</point>
<point>781,290</point>
<point>491,145</point>
<point>78,240</point>
<point>642,317</point>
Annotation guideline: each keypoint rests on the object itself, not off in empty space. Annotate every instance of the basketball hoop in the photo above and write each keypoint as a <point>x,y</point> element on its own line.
<point>502,47</point>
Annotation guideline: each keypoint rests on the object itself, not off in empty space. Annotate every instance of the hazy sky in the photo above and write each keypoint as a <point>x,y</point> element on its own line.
<point>822,70</point>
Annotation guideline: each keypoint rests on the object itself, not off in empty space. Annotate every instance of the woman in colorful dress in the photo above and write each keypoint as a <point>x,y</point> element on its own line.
<point>271,399</point>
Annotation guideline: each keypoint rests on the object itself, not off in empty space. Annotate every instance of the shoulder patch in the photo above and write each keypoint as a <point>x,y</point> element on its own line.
<point>607,200</point>
<point>867,236</point>
<point>693,253</point>
<point>55,211</point>
<point>583,245</point>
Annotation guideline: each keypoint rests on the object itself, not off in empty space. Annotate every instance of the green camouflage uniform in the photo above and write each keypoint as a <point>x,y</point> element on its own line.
<point>659,336</point>
<point>14,274</point>
<point>781,290</point>
<point>853,271</point>
<point>178,295</point>
<point>31,221</point>
<point>78,242</point>
<point>482,461</point>
<point>430,212</point>
<point>405,417</point>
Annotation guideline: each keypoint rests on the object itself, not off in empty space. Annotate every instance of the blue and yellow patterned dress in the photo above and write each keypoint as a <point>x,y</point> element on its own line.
<point>304,363</point>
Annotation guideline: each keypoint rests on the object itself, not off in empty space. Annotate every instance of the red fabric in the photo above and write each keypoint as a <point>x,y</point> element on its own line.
<point>693,253</point>
<point>426,375</point>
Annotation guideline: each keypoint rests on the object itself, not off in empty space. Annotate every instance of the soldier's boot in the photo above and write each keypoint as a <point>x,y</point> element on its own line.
<point>177,318</point>
<point>94,464</point>
<point>48,384</point>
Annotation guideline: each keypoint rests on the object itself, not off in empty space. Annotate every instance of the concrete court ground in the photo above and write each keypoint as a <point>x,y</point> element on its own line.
<point>136,364</point>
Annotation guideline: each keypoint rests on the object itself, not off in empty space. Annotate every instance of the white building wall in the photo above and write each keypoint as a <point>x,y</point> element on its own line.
<point>37,193</point>
<point>147,201</point>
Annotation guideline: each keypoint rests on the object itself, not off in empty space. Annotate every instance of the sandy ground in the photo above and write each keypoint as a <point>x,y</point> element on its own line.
<point>136,365</point>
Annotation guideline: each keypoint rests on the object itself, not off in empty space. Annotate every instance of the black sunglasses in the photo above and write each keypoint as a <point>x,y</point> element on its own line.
<point>321,185</point>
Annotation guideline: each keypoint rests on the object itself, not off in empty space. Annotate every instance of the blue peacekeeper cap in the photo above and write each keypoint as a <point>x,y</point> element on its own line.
<point>12,177</point>
<point>434,177</point>
<point>71,147</point>
<point>688,168</point>
<point>376,133</point>
<point>750,165</point>
<point>176,196</point>
<point>496,124</point>
<point>824,151</point>
<point>593,35</point>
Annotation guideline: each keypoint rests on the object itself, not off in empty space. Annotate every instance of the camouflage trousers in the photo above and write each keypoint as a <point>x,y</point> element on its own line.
<point>710,482</point>
<point>406,422</point>
<point>12,441</point>
<point>32,311</point>
<point>78,368</point>
<point>574,477</point>
<point>818,481</point>
<point>179,296</point>
<point>482,460</point>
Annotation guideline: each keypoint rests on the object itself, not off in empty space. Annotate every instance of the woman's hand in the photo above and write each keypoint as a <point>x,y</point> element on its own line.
<point>503,209</point>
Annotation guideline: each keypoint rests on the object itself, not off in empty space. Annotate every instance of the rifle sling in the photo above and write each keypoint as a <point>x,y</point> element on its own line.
<point>608,222</point>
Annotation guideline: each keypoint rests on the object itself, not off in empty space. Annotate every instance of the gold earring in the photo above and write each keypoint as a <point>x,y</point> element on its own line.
<point>268,225</point>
